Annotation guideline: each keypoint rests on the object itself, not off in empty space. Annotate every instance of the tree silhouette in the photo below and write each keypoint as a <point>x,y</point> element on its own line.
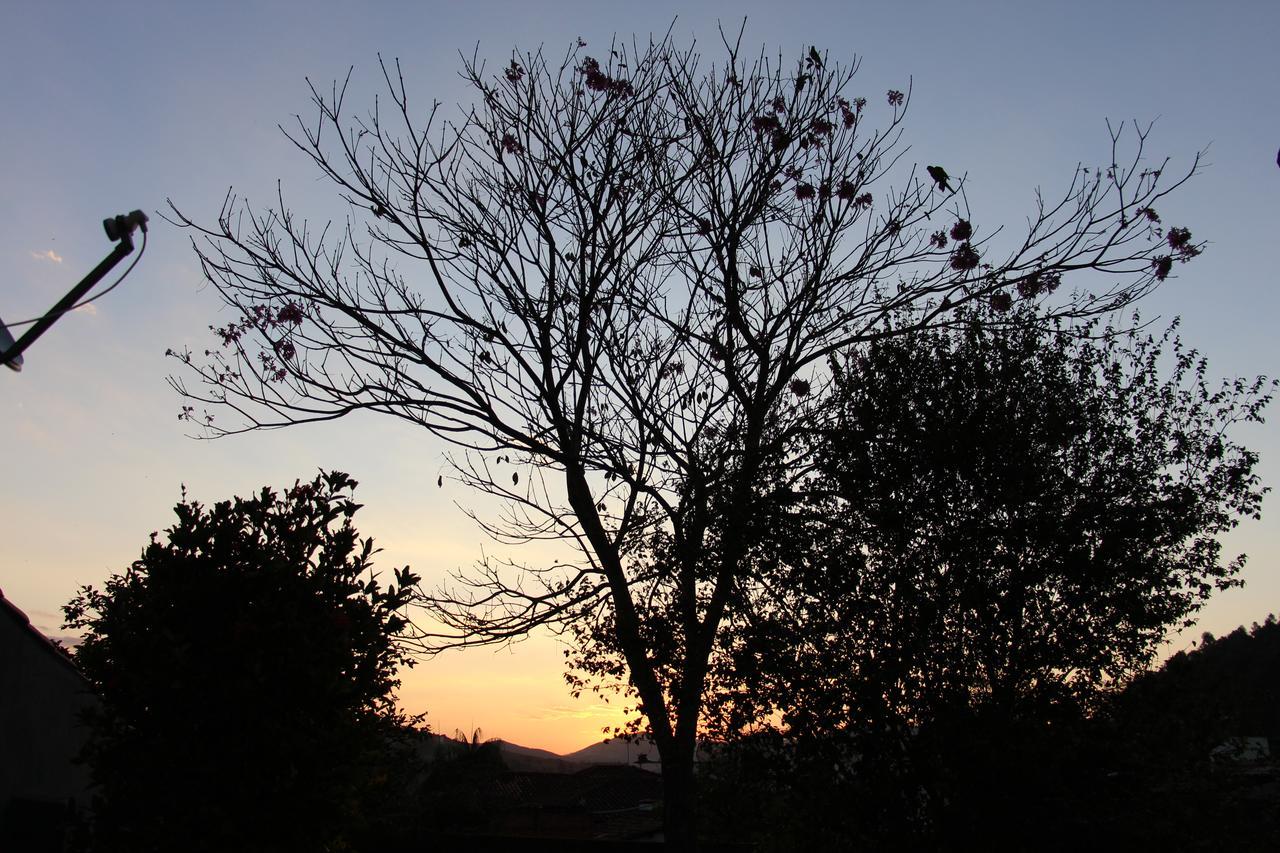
<point>1000,514</point>
<point>613,283</point>
<point>1165,736</point>
<point>1222,689</point>
<point>1003,524</point>
<point>1012,518</point>
<point>245,665</point>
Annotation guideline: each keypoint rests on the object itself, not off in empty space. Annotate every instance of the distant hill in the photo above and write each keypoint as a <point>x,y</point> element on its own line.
<point>1225,688</point>
<point>616,751</point>
<point>526,759</point>
<point>432,747</point>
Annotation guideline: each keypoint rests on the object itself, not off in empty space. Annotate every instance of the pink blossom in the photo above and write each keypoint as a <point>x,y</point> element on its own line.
<point>964,258</point>
<point>1163,265</point>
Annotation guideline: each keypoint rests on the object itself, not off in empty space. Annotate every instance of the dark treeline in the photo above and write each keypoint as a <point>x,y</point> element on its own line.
<point>1163,764</point>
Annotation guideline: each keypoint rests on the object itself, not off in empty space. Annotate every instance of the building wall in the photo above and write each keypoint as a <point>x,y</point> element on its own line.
<point>41,696</point>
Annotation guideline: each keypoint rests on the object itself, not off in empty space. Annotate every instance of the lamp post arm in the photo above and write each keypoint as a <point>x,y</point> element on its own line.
<point>117,228</point>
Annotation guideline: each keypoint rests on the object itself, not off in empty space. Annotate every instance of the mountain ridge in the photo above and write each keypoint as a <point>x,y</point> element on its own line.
<point>520,758</point>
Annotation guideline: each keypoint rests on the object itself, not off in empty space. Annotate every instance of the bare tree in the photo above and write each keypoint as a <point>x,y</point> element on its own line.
<point>614,284</point>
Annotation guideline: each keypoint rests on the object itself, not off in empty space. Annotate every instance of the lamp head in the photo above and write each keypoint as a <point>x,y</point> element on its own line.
<point>119,227</point>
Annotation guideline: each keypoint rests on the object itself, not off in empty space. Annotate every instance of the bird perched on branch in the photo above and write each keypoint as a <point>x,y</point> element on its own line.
<point>940,177</point>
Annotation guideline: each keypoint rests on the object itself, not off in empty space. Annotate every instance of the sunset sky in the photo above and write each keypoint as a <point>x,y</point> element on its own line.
<point>114,106</point>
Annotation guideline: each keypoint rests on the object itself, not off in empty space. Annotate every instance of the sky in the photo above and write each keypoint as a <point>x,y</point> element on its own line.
<point>112,107</point>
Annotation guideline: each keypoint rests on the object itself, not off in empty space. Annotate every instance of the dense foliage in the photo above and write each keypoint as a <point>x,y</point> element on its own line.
<point>1002,517</point>
<point>1003,521</point>
<point>1005,518</point>
<point>245,665</point>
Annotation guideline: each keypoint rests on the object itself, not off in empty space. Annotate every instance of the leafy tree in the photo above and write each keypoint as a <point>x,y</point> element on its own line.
<point>245,665</point>
<point>613,283</point>
<point>1003,523</point>
<point>1015,517</point>
<point>1002,513</point>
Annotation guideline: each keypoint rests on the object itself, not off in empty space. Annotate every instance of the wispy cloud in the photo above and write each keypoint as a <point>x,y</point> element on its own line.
<point>91,310</point>
<point>563,712</point>
<point>47,255</point>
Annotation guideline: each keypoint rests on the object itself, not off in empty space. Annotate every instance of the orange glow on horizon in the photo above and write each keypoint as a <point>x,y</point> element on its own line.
<point>518,695</point>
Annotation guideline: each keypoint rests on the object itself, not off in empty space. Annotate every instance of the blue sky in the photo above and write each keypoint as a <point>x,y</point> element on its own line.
<point>110,107</point>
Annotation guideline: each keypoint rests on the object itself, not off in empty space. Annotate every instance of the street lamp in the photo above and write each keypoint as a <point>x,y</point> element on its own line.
<point>118,228</point>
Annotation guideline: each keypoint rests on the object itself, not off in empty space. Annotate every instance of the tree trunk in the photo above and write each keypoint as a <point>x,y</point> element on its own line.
<point>679,825</point>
